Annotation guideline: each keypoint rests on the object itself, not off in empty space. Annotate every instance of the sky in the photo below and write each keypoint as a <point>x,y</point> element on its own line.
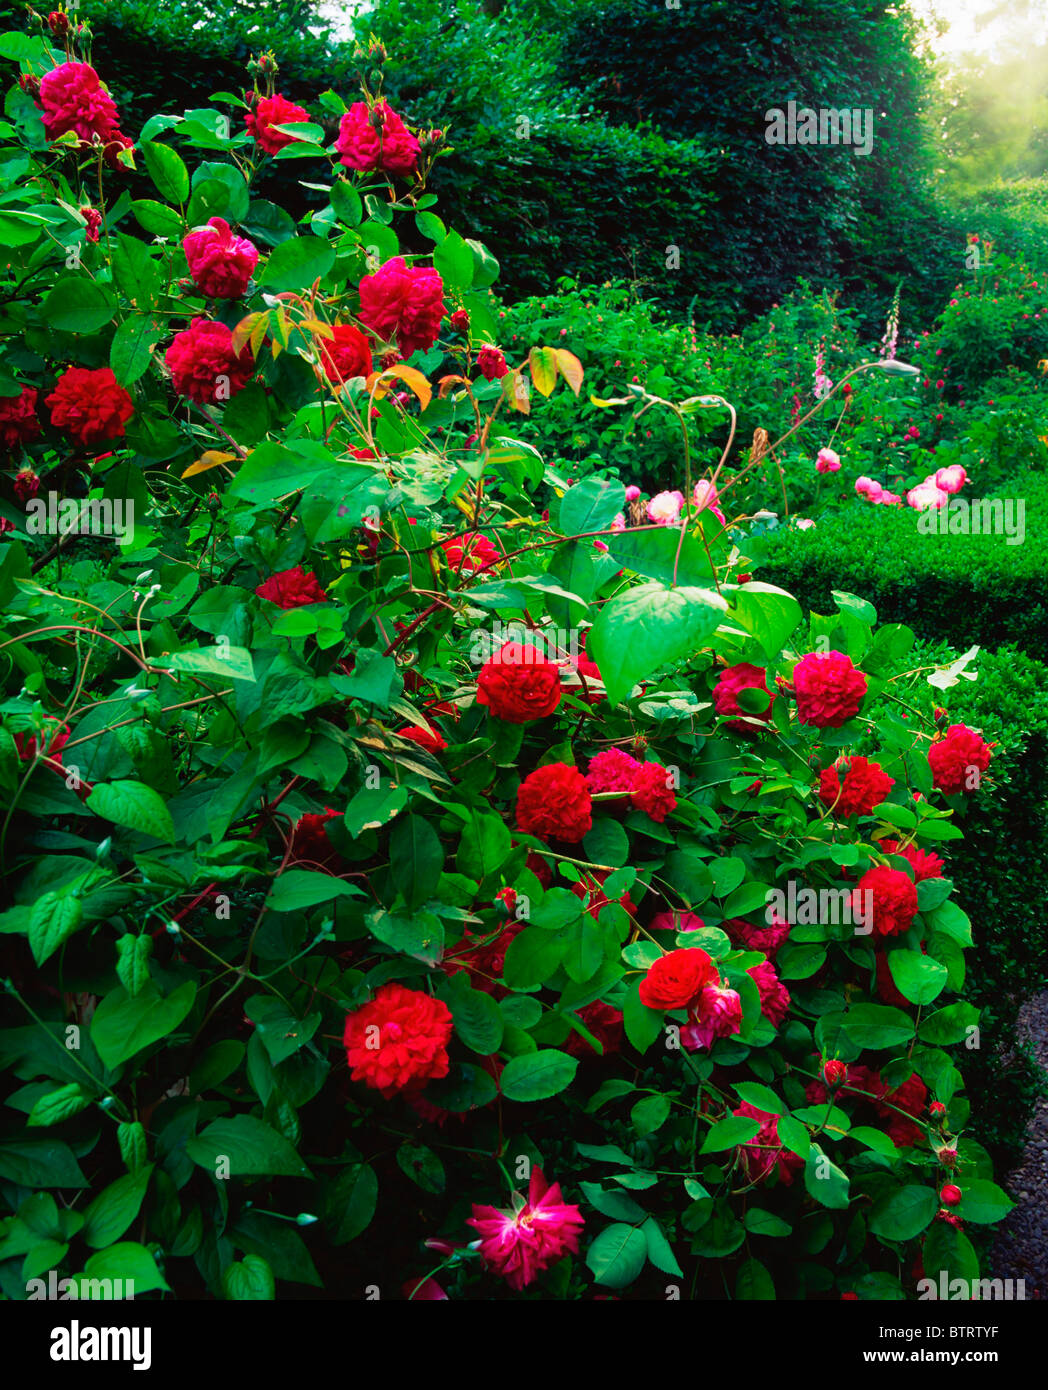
<point>985,27</point>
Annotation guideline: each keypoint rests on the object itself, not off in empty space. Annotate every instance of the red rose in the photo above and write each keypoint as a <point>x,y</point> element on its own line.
<point>519,684</point>
<point>203,365</point>
<point>491,363</point>
<point>425,738</point>
<point>344,356</point>
<point>554,801</point>
<point>750,938</point>
<point>923,862</point>
<point>715,1012</point>
<point>460,321</point>
<point>405,302</point>
<point>893,896</point>
<point>26,485</point>
<point>673,980</point>
<point>834,1073</point>
<point>474,552</point>
<point>652,792</point>
<point>73,98</point>
<point>611,771</point>
<point>865,786</point>
<point>775,997</point>
<point>269,112</point>
<point>828,688</point>
<point>90,405</point>
<point>220,263</point>
<point>399,1040</point>
<point>958,759</point>
<point>18,422</point>
<point>309,839</point>
<point>730,683</point>
<point>93,218</point>
<point>292,588</point>
<point>376,139</point>
<point>604,1022</point>
<point>52,742</point>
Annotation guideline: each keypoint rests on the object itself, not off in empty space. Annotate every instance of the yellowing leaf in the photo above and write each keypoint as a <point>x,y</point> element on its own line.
<point>245,329</point>
<point>322,330</point>
<point>382,383</point>
<point>570,369</point>
<point>211,459</point>
<point>515,386</point>
<point>543,364</point>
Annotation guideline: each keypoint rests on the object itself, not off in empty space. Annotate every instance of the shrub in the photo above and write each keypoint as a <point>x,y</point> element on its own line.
<point>361,914</point>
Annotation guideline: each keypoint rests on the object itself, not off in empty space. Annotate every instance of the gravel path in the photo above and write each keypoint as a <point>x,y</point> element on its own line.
<point>1021,1248</point>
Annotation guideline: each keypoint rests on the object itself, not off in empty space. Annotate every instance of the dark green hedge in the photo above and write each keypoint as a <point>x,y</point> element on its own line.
<point>961,589</point>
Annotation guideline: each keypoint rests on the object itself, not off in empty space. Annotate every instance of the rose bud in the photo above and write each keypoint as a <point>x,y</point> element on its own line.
<point>947,1157</point>
<point>835,1073</point>
<point>950,1194</point>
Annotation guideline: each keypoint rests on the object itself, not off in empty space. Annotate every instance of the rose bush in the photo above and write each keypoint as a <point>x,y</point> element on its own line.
<point>409,859</point>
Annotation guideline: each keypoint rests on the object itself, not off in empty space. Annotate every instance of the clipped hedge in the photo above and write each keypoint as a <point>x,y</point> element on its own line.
<point>963,589</point>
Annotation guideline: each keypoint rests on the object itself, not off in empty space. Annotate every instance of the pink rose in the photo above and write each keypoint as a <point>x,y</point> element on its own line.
<point>220,263</point>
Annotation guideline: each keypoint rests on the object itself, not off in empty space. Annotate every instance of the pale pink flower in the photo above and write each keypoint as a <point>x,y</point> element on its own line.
<point>666,507</point>
<point>520,1244</point>
<point>618,522</point>
<point>926,495</point>
<point>868,487</point>
<point>951,479</point>
<point>804,523</point>
<point>632,493</point>
<point>827,461</point>
<point>889,499</point>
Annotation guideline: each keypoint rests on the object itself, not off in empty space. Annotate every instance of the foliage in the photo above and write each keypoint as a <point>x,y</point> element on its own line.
<point>253,785</point>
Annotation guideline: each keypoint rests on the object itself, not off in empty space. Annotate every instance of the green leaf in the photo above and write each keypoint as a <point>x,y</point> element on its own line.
<point>655,554</point>
<point>537,1075</point>
<point>44,1162</point>
<point>131,350</point>
<point>115,1207</point>
<point>642,1025</point>
<point>123,1025</point>
<point>660,1252</point>
<point>617,1255</point>
<point>297,889</point>
<point>765,1223</point>
<point>591,505</point>
<point>727,1133</point>
<point>904,1212</point>
<point>949,1025</point>
<point>826,1182</point>
<point>282,1031</point>
<point>78,305</point>
<point>422,1166</point>
<point>167,170</point>
<point>58,1105</point>
<point>770,614</point>
<point>753,1282</point>
<point>53,918</point>
<point>421,935</point>
<point>650,1114</point>
<point>983,1202</point>
<point>351,1203</point>
<point>250,1279</point>
<point>647,628</point>
<point>878,1026</point>
<point>132,963</point>
<point>297,263</point>
<point>416,859</point>
<point>532,958</point>
<point>158,219</point>
<point>762,1097</point>
<point>484,846</point>
<point>476,1015</point>
<point>453,260</point>
<point>134,805</point>
<point>249,1147</point>
<point>127,1261</point>
<point>917,977</point>
<point>346,201</point>
<point>231,663</point>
